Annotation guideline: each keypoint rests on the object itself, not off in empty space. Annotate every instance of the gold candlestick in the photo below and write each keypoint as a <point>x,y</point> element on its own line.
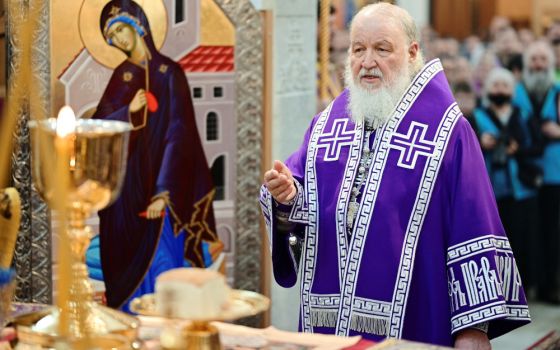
<point>93,156</point>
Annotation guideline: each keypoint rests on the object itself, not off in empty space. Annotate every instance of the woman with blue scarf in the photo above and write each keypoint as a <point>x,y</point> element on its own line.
<point>511,145</point>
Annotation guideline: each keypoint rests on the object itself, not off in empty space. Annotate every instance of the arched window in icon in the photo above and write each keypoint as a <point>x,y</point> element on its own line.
<point>212,126</point>
<point>219,177</point>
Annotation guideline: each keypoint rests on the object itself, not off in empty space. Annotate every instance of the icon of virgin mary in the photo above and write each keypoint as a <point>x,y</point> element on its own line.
<point>165,211</point>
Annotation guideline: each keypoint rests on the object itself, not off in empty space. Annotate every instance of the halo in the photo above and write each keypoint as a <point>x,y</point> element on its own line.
<point>93,40</point>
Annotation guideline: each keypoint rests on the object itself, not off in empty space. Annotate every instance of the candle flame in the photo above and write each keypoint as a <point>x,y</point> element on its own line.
<point>66,122</point>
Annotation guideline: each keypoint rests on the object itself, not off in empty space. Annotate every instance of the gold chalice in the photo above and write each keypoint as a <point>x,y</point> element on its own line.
<point>94,155</point>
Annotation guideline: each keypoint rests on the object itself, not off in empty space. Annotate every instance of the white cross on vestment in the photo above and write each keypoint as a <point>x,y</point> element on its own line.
<point>335,139</point>
<point>412,145</point>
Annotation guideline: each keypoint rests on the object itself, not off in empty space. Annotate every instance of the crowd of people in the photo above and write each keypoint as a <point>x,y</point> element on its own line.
<point>508,87</point>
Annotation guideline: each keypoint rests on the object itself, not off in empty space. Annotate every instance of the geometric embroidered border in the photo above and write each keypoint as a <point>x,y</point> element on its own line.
<point>311,238</point>
<point>489,312</point>
<point>344,199</point>
<point>363,219</point>
<point>477,316</point>
<point>431,170</point>
<point>362,305</point>
<point>518,312</point>
<point>476,246</point>
<point>299,212</point>
<point>266,206</point>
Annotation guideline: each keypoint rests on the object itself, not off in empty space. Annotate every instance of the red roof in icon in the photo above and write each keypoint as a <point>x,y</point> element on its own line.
<point>209,59</point>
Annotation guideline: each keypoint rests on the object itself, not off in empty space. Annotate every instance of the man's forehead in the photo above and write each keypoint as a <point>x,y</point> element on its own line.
<point>539,52</point>
<point>377,29</point>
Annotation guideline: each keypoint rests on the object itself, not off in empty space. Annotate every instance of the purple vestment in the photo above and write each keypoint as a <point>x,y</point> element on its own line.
<point>428,255</point>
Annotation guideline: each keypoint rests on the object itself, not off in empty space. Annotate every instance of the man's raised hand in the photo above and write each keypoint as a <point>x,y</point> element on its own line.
<point>280,182</point>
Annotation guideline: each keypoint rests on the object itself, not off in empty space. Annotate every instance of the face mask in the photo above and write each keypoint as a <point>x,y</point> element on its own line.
<point>499,99</point>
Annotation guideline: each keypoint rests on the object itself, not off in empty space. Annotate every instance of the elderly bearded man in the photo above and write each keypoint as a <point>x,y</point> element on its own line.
<point>389,195</point>
<point>538,95</point>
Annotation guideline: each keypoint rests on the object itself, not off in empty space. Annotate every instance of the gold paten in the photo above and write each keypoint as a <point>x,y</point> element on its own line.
<point>200,334</point>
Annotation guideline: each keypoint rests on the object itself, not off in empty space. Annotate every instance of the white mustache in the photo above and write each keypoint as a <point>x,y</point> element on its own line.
<point>374,71</point>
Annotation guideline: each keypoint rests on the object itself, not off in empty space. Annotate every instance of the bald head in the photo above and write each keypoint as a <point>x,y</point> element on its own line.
<point>399,16</point>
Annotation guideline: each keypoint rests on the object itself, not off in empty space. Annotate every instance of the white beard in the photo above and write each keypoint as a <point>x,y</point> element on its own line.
<point>375,106</point>
<point>538,82</point>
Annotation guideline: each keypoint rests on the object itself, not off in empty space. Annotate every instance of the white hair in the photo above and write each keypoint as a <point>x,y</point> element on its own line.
<point>497,74</point>
<point>397,14</point>
<point>403,19</point>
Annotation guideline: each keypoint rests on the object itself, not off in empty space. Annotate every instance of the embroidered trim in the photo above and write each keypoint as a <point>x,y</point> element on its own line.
<point>344,200</point>
<point>266,207</point>
<point>324,300</point>
<point>362,305</point>
<point>300,211</point>
<point>267,204</point>
<point>487,313</point>
<point>312,233</point>
<point>476,246</point>
<point>369,316</point>
<point>372,307</point>
<point>518,312</point>
<point>359,234</point>
<point>381,149</point>
<point>422,202</point>
<point>482,273</point>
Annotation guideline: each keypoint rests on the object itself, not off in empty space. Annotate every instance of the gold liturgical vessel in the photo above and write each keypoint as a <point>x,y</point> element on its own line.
<point>93,155</point>
<point>199,334</point>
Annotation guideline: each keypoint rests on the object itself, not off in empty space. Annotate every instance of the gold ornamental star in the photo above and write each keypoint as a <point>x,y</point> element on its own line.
<point>127,76</point>
<point>115,10</point>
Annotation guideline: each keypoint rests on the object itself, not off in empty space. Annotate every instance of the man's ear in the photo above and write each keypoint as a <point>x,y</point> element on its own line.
<point>413,51</point>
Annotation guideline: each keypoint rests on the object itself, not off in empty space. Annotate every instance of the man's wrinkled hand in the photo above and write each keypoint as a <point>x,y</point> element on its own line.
<point>280,182</point>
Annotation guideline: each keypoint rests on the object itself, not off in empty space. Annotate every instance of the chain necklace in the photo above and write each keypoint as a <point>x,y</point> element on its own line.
<point>366,160</point>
